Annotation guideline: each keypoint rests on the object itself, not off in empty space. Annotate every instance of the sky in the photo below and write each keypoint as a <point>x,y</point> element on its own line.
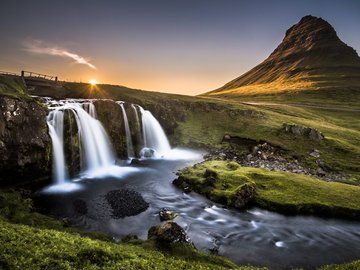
<point>175,46</point>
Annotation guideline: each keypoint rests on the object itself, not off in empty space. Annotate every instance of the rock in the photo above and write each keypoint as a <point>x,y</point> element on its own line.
<point>25,145</point>
<point>232,165</point>
<point>147,152</point>
<point>181,183</point>
<point>244,195</point>
<point>169,232</point>
<point>80,206</point>
<point>226,137</point>
<point>210,181</point>
<point>126,202</point>
<point>210,173</point>
<point>135,161</point>
<point>315,153</point>
<point>166,214</point>
<point>311,133</point>
<point>320,172</point>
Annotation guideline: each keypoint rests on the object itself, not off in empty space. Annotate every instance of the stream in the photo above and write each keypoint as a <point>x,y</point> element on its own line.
<point>256,237</point>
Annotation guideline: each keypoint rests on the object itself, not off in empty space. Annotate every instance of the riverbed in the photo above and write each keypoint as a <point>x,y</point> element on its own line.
<point>253,236</point>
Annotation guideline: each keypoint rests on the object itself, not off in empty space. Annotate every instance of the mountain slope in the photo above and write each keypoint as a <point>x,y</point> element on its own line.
<point>310,57</point>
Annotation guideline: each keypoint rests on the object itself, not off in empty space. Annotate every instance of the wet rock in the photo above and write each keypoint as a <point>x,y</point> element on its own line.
<point>25,145</point>
<point>244,195</point>
<point>126,202</point>
<point>181,183</point>
<point>311,133</point>
<point>169,232</point>
<point>80,207</point>
<point>147,152</point>
<point>166,214</point>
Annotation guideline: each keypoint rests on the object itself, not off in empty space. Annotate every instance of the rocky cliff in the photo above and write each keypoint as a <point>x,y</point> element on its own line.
<point>25,146</point>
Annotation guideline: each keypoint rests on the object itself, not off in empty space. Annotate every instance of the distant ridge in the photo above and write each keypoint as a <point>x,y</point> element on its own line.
<point>310,57</point>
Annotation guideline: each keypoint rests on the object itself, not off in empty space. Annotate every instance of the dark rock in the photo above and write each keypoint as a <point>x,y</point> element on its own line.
<point>244,195</point>
<point>169,232</point>
<point>126,202</point>
<point>210,181</point>
<point>166,214</point>
<point>210,173</point>
<point>80,207</point>
<point>25,145</point>
<point>181,183</point>
<point>135,161</point>
<point>311,133</point>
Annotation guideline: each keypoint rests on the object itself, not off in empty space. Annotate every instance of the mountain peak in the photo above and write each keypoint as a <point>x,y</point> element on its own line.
<point>311,56</point>
<point>308,33</point>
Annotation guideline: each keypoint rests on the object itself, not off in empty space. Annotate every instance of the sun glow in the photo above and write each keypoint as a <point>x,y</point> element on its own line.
<point>93,82</point>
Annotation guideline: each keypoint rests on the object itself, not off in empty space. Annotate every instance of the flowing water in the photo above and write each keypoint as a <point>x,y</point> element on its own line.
<point>254,236</point>
<point>153,134</point>
<point>129,143</point>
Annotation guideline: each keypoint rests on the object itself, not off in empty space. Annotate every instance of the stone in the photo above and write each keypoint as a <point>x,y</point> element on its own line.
<point>310,133</point>
<point>244,195</point>
<point>169,232</point>
<point>315,153</point>
<point>126,202</point>
<point>147,152</point>
<point>166,214</point>
<point>25,145</point>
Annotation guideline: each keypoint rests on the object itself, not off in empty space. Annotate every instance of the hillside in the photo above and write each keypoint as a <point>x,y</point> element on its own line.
<point>310,57</point>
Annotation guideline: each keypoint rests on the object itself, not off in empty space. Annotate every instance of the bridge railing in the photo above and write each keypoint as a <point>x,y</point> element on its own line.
<point>25,73</point>
<point>8,73</point>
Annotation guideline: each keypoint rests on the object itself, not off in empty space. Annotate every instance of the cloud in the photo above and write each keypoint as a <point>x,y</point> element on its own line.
<point>39,47</point>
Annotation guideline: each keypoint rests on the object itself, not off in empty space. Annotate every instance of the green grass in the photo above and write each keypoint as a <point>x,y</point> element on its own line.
<point>24,247</point>
<point>355,265</point>
<point>278,191</point>
<point>13,87</point>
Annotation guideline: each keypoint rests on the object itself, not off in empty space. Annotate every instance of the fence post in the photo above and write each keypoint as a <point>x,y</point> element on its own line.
<point>22,73</point>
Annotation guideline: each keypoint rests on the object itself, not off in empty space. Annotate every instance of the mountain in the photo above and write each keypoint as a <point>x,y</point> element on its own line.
<point>310,57</point>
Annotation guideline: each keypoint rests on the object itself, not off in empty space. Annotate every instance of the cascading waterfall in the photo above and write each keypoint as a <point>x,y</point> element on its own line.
<point>129,143</point>
<point>154,135</point>
<point>95,146</point>
<point>90,109</point>
<point>55,121</point>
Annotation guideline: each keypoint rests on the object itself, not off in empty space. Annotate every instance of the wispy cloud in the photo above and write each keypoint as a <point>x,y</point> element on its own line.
<point>40,47</point>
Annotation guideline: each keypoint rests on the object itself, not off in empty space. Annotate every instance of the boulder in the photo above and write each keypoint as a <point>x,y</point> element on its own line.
<point>244,195</point>
<point>310,133</point>
<point>126,202</point>
<point>169,232</point>
<point>166,214</point>
<point>147,152</point>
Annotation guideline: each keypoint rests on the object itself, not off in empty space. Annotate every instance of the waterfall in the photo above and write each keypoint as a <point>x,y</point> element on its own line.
<point>55,121</point>
<point>95,146</point>
<point>90,109</point>
<point>129,143</point>
<point>154,135</point>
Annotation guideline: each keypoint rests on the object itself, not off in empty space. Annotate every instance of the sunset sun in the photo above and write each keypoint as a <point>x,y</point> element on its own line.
<point>93,82</point>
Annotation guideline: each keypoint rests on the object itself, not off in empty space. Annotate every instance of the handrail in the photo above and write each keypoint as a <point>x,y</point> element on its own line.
<point>8,73</point>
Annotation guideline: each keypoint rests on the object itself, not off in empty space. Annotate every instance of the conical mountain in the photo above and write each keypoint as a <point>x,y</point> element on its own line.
<point>310,57</point>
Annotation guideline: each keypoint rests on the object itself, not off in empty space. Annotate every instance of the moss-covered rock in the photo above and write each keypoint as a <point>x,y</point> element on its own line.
<point>25,145</point>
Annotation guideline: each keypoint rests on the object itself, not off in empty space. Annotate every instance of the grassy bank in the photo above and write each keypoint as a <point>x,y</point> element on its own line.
<point>278,191</point>
<point>13,87</point>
